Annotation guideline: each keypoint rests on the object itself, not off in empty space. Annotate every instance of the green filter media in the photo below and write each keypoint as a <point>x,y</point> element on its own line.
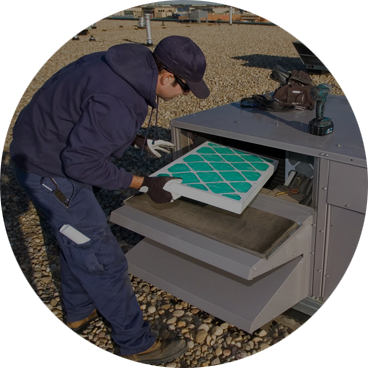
<point>192,158</point>
<point>232,176</point>
<point>243,166</point>
<point>208,177</point>
<point>251,175</point>
<point>233,196</point>
<point>260,166</point>
<point>223,151</point>
<point>213,158</point>
<point>220,188</point>
<point>198,186</point>
<point>221,166</point>
<point>187,177</point>
<point>205,150</point>
<point>200,166</point>
<point>241,187</point>
<point>232,158</point>
<point>178,168</point>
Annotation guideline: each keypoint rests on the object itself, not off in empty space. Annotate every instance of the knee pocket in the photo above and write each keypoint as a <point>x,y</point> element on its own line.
<point>99,255</point>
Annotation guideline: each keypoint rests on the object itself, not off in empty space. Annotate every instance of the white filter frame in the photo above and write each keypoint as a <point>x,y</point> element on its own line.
<point>220,200</point>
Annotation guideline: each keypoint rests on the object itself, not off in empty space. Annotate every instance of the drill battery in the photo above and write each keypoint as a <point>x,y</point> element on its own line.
<point>320,127</point>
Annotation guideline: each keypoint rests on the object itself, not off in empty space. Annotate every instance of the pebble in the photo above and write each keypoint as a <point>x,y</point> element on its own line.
<point>172,320</point>
<point>190,344</point>
<point>240,354</point>
<point>151,309</point>
<point>257,339</point>
<point>217,331</point>
<point>215,361</point>
<point>226,352</point>
<point>178,313</point>
<point>201,336</point>
<point>263,346</point>
<point>204,326</point>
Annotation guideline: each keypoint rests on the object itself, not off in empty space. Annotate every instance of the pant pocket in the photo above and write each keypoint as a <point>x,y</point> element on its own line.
<point>84,255</point>
<point>100,255</point>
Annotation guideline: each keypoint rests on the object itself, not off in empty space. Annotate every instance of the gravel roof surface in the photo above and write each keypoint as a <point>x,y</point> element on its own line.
<point>239,63</point>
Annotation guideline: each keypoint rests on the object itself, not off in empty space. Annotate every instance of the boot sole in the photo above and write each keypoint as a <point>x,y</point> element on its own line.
<point>80,329</point>
<point>168,359</point>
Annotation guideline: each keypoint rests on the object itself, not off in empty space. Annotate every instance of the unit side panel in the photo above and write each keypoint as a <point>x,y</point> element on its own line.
<point>344,232</point>
<point>347,187</point>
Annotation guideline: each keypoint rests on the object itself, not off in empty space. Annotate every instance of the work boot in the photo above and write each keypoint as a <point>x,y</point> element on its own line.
<point>79,326</point>
<point>162,351</point>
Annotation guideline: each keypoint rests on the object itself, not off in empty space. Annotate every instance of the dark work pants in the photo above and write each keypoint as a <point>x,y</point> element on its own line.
<point>94,275</point>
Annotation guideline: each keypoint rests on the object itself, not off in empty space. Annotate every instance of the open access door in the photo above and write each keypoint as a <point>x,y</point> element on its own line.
<point>244,269</point>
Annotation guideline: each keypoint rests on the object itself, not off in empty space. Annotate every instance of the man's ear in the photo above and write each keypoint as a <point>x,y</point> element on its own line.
<point>165,78</point>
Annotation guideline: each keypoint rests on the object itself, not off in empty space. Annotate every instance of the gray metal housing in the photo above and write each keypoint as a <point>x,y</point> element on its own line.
<point>238,286</point>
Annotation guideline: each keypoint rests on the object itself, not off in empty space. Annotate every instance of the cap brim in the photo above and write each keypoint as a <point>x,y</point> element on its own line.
<point>199,89</point>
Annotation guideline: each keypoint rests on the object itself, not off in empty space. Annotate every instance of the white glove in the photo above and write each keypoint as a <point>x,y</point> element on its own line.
<point>158,188</point>
<point>160,145</point>
<point>152,147</point>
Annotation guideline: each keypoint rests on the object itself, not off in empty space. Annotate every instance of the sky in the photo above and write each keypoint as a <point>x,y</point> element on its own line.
<point>272,2</point>
<point>215,2</point>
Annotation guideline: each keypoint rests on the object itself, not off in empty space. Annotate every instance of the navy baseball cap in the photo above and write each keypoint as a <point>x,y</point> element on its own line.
<point>181,56</point>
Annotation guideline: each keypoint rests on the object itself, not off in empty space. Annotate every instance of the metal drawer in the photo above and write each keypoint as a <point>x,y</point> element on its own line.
<point>228,281</point>
<point>347,187</point>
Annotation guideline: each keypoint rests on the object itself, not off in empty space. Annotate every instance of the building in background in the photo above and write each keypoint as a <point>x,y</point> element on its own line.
<point>158,12</point>
<point>132,12</point>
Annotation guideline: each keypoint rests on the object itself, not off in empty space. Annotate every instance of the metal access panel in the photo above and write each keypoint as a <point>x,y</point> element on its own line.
<point>198,253</point>
<point>245,282</point>
<point>344,232</point>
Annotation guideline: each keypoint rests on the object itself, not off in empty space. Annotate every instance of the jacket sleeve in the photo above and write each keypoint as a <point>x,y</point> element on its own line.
<point>105,126</point>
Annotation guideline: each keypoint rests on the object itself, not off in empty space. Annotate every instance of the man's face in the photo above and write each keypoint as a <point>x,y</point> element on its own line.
<point>167,88</point>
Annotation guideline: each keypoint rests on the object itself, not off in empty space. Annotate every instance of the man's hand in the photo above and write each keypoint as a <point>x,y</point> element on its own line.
<point>154,187</point>
<point>152,147</point>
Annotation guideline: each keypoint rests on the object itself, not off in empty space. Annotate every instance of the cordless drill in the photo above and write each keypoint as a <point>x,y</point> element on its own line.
<point>320,125</point>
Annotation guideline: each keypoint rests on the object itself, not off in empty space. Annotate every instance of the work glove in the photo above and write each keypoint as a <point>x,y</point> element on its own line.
<point>155,188</point>
<point>152,147</point>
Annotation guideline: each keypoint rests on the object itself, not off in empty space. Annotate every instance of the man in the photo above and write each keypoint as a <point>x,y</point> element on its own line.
<point>63,142</point>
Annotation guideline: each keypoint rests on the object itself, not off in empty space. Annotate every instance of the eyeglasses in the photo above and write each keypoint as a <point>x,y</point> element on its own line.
<point>183,85</point>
